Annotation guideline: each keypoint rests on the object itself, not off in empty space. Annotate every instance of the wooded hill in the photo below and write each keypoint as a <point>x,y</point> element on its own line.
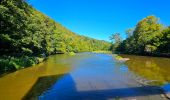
<point>26,32</point>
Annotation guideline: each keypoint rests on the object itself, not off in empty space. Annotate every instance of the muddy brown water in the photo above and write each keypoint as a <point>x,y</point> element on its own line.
<point>87,76</point>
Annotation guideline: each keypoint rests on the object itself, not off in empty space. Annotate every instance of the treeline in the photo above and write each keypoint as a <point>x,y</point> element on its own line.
<point>149,37</point>
<point>26,33</point>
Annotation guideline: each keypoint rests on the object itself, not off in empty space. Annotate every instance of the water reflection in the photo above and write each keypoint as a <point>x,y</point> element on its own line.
<point>31,82</point>
<point>151,68</point>
<point>99,77</point>
<point>166,88</point>
<point>86,76</point>
<point>68,88</point>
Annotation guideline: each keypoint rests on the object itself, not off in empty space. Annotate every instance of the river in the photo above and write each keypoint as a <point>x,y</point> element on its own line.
<point>88,76</point>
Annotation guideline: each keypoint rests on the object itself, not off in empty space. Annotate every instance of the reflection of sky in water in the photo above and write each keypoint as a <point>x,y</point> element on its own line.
<point>151,68</point>
<point>96,77</point>
<point>93,72</point>
<point>166,88</point>
<point>124,68</point>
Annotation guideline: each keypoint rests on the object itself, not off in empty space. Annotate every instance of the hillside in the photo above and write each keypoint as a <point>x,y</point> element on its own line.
<point>27,35</point>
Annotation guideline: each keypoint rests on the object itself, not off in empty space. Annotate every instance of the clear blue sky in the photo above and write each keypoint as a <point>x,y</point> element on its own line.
<point>100,18</point>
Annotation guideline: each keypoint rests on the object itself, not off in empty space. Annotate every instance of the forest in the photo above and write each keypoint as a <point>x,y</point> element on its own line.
<point>149,37</point>
<point>27,36</point>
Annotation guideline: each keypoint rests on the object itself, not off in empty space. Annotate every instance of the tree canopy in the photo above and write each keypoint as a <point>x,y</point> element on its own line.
<point>148,37</point>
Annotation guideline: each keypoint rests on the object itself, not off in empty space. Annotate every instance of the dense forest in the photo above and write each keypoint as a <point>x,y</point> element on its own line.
<point>149,37</point>
<point>27,36</point>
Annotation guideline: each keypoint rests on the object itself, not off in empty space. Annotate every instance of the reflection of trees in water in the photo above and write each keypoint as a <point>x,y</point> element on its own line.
<point>151,68</point>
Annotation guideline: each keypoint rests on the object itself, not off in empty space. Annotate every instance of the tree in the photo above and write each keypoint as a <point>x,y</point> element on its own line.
<point>116,40</point>
<point>147,34</point>
<point>165,41</point>
<point>148,37</point>
<point>26,34</point>
<point>129,32</point>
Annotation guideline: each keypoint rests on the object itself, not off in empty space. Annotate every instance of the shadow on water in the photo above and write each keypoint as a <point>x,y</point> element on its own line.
<point>41,85</point>
<point>67,89</point>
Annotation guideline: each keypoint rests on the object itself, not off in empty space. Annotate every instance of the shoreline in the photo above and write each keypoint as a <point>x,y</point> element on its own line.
<point>148,54</point>
<point>17,67</point>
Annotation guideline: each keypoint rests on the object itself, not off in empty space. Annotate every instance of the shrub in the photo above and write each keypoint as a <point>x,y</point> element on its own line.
<point>8,63</point>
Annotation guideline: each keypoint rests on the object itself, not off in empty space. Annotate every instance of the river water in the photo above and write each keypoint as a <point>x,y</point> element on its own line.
<point>88,76</point>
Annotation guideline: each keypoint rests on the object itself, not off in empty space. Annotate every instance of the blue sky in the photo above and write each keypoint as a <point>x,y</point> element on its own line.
<point>101,18</point>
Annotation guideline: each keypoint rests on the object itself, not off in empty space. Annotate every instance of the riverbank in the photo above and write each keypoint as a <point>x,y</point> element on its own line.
<point>157,54</point>
<point>10,64</point>
<point>165,55</point>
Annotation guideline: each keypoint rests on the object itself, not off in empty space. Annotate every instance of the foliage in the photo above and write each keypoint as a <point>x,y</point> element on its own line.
<point>116,40</point>
<point>165,41</point>
<point>8,63</point>
<point>148,37</point>
<point>26,32</point>
<point>129,32</point>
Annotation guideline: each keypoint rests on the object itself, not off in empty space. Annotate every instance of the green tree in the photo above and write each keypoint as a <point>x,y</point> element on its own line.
<point>129,32</point>
<point>147,34</point>
<point>116,40</point>
<point>26,34</point>
<point>148,37</point>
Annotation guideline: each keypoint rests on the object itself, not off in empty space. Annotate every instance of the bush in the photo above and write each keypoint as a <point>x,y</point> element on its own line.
<point>8,63</point>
